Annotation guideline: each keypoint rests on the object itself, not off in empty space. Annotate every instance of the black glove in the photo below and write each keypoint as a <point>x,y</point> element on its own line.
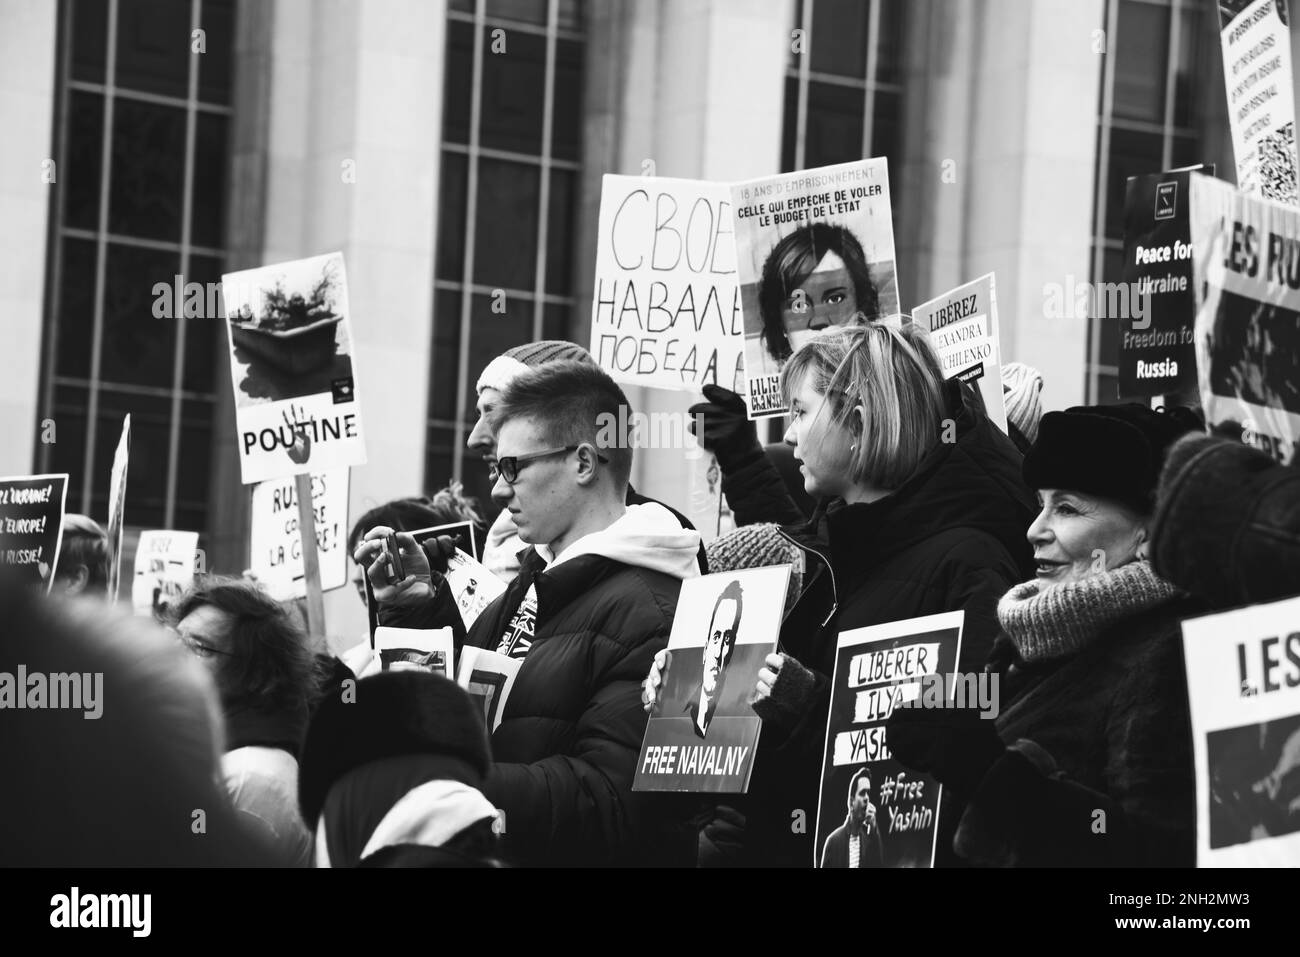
<point>728,432</point>
<point>722,838</point>
<point>954,745</point>
<point>439,551</point>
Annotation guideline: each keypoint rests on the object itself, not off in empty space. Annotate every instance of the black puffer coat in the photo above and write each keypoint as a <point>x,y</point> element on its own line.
<point>951,538</point>
<point>565,751</point>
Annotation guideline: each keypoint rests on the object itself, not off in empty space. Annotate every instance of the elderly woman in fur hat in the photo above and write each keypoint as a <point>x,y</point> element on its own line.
<point>1089,762</point>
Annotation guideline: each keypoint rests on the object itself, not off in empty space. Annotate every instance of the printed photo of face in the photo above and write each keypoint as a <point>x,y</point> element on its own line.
<point>722,635</point>
<point>824,299</point>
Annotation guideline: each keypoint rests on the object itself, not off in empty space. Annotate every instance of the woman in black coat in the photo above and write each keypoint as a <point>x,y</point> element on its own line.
<point>1089,762</point>
<point>927,514</point>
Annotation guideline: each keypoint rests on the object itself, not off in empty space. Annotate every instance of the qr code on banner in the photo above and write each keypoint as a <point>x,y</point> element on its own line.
<point>1277,165</point>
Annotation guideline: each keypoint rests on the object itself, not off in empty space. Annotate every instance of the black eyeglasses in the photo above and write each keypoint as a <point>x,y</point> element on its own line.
<point>507,467</point>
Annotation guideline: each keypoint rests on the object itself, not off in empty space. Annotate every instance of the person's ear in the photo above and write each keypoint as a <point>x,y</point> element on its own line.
<point>587,470</point>
<point>79,580</point>
<point>1142,537</point>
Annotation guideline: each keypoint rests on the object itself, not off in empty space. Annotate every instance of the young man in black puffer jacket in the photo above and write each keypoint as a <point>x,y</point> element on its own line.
<point>593,602</point>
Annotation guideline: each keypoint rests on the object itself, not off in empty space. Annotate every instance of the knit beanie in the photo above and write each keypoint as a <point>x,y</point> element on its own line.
<point>513,363</point>
<point>756,546</point>
<point>392,714</point>
<point>1022,388</point>
<point>1111,451</point>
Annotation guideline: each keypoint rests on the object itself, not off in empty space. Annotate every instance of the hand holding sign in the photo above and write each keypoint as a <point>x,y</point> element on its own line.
<point>954,745</point>
<point>654,681</point>
<point>723,426</point>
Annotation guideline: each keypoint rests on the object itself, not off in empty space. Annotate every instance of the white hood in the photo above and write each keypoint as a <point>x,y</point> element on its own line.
<point>647,536</point>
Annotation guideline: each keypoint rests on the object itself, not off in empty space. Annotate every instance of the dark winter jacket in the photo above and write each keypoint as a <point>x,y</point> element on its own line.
<point>566,748</point>
<point>951,538</point>
<point>1099,767</point>
<point>764,485</point>
<point>1227,523</point>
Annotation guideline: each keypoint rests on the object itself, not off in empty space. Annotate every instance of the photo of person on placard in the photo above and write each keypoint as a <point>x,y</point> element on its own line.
<point>719,643</point>
<point>856,842</point>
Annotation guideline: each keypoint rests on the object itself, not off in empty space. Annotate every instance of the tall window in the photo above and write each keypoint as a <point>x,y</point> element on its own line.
<point>1163,69</point>
<point>844,88</point>
<point>141,139</point>
<point>511,144</point>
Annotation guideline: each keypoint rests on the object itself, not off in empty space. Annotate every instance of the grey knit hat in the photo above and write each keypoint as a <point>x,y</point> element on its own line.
<point>756,546</point>
<point>512,363</point>
<point>1022,388</point>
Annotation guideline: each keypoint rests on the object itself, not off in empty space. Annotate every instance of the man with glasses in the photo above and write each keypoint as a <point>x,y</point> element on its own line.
<point>264,671</point>
<point>593,601</point>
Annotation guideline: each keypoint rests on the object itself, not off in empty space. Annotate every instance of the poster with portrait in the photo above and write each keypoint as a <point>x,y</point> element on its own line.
<point>1243,685</point>
<point>275,541</point>
<point>117,507</point>
<point>473,586</point>
<point>1246,263</point>
<point>296,405</point>
<point>165,563</point>
<point>870,803</point>
<point>31,525</point>
<point>703,734</point>
<point>1256,39</point>
<point>963,328</point>
<point>415,649</point>
<point>814,249</point>
<point>489,678</point>
<point>665,308</point>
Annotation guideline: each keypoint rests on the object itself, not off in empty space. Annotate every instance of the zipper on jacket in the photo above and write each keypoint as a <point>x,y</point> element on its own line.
<point>830,570</point>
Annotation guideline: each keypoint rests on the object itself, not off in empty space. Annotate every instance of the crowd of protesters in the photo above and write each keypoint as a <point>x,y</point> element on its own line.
<point>1075,544</point>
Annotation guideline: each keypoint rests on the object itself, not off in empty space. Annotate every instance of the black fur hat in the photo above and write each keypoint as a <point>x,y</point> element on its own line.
<point>395,713</point>
<point>1111,451</point>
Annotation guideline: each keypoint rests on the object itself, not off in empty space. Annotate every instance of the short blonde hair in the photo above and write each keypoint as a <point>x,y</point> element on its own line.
<point>895,376</point>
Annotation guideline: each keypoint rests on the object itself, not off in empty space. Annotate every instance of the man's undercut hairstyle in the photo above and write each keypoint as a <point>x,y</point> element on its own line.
<point>573,403</point>
<point>84,543</point>
<point>895,375</point>
<point>853,783</point>
<point>736,594</point>
<point>270,665</point>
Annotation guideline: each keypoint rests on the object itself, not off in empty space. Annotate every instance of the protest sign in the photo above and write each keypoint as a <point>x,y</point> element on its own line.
<point>703,734</point>
<point>116,508</point>
<point>489,678</point>
<point>666,310</point>
<point>415,649</point>
<point>813,248</point>
<point>275,542</point>
<point>473,586</point>
<point>31,525</point>
<point>963,328</point>
<point>1246,264</point>
<point>462,533</point>
<point>865,791</point>
<point>296,404</point>
<point>1243,684</point>
<point>1256,43</point>
<point>1157,355</point>
<point>165,563</point>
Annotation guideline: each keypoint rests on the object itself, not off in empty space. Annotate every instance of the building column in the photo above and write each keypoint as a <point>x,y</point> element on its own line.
<point>350,117</point>
<point>28,55</point>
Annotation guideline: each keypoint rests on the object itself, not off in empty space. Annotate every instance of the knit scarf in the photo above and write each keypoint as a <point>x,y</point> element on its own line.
<point>1053,621</point>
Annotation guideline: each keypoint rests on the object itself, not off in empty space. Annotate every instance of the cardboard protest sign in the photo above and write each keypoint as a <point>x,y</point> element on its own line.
<point>1256,44</point>
<point>473,585</point>
<point>31,525</point>
<point>1243,684</point>
<point>963,327</point>
<point>703,734</point>
<point>892,810</point>
<point>415,649</point>
<point>275,542</point>
<point>1246,264</point>
<point>296,404</point>
<point>1157,355</point>
<point>489,678</point>
<point>462,533</point>
<point>165,563</point>
<point>117,507</point>
<point>811,247</point>
<point>666,310</point>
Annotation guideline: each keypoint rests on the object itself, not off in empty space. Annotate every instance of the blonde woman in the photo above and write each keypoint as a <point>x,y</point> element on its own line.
<point>925,512</point>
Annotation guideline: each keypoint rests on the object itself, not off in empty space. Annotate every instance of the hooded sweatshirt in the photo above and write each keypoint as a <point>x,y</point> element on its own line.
<point>570,732</point>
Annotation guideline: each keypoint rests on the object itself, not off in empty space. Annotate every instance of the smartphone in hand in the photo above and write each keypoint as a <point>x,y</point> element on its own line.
<point>393,555</point>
